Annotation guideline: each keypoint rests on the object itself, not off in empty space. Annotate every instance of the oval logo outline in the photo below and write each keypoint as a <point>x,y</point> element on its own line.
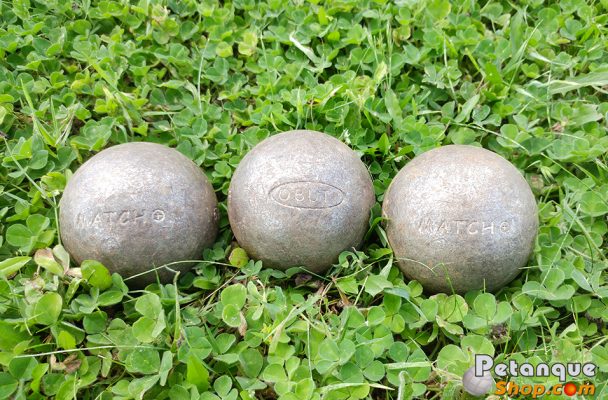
<point>307,195</point>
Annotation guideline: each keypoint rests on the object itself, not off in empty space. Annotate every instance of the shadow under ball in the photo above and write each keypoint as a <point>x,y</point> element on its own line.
<point>138,206</point>
<point>300,198</point>
<point>460,217</point>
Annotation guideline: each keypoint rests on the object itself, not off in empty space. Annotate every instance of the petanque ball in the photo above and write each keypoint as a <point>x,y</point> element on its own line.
<point>460,218</point>
<point>300,198</point>
<point>477,385</point>
<point>138,206</point>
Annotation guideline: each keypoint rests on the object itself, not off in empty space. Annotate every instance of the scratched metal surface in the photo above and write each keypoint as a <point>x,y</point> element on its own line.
<point>460,217</point>
<point>300,198</point>
<point>137,206</point>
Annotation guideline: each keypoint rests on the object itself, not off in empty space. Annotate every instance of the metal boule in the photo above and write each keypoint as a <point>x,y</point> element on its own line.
<point>460,218</point>
<point>138,206</point>
<point>477,385</point>
<point>300,198</point>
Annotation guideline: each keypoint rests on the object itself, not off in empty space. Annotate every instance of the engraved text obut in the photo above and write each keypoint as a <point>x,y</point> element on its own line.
<point>306,194</point>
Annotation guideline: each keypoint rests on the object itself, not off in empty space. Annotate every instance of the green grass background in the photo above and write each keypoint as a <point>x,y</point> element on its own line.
<point>392,79</point>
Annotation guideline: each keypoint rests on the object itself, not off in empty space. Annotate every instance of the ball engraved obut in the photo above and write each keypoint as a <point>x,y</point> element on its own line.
<point>460,218</point>
<point>477,385</point>
<point>300,198</point>
<point>138,206</point>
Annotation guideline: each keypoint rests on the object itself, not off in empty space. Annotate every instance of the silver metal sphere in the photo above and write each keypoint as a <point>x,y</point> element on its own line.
<point>462,218</point>
<point>300,198</point>
<point>137,206</point>
<point>477,385</point>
